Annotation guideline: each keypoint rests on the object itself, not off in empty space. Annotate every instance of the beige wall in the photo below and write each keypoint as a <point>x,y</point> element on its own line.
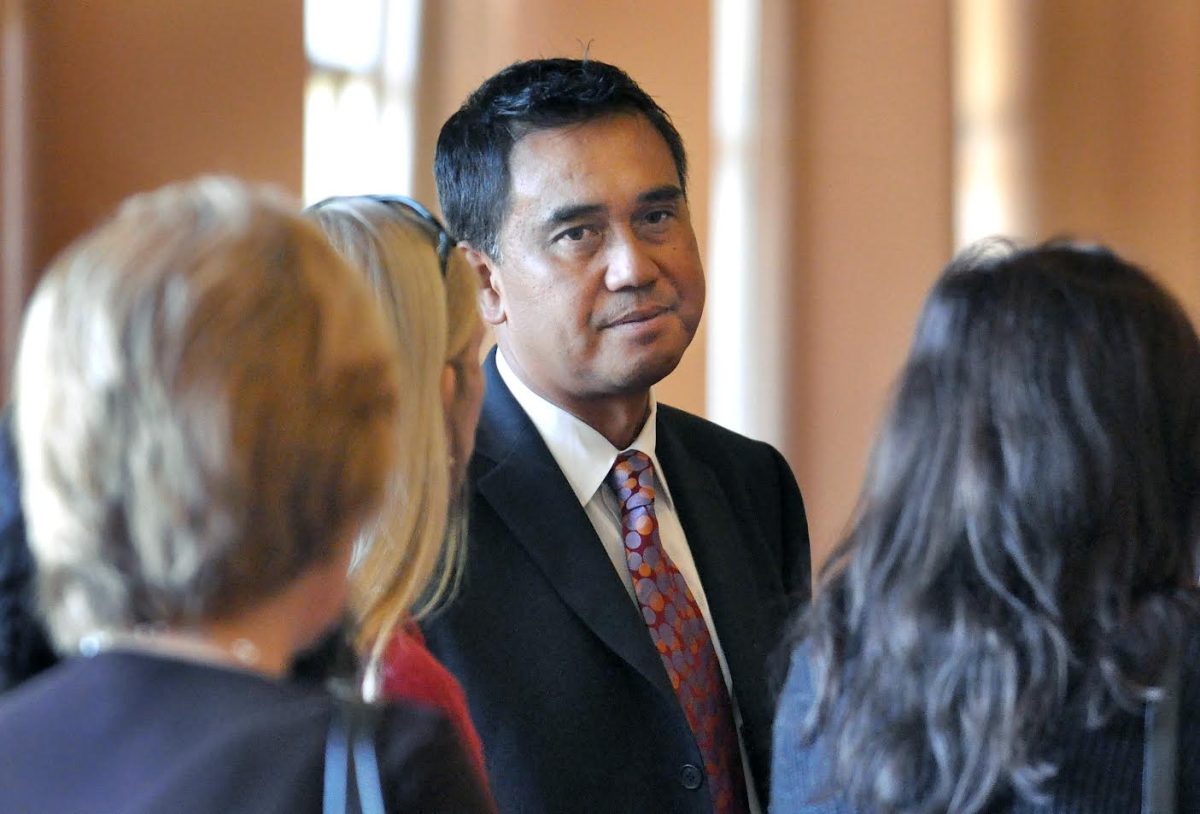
<point>1114,90</point>
<point>869,170</point>
<point>130,95</point>
<point>126,96</point>
<point>1110,107</point>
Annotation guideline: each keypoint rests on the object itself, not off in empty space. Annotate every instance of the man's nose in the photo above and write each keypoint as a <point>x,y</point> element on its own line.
<point>630,264</point>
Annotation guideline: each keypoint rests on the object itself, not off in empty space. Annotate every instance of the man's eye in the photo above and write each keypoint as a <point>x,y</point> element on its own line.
<point>658,216</point>
<point>576,234</point>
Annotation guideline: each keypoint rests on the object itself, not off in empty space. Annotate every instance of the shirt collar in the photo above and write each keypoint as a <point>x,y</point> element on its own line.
<point>583,454</point>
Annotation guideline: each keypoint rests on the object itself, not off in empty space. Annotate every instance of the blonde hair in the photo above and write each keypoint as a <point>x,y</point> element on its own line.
<point>206,403</point>
<point>412,561</point>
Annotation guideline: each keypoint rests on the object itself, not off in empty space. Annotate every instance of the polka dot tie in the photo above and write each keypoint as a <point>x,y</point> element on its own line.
<point>679,633</point>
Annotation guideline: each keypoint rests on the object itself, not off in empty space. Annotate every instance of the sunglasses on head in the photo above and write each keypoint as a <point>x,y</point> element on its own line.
<point>442,237</point>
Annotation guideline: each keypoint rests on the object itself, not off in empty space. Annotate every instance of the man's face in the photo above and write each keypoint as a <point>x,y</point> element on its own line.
<point>598,287</point>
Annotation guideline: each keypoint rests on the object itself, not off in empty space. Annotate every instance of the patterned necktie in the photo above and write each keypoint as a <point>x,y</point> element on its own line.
<point>679,633</point>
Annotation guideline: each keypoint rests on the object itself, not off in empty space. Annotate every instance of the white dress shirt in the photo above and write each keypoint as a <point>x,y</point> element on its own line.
<point>585,458</point>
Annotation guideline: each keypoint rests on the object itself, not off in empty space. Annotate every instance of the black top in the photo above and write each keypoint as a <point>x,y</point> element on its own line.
<point>24,647</point>
<point>130,733</point>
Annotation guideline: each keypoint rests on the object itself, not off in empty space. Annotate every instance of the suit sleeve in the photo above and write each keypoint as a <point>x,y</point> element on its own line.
<point>795,556</point>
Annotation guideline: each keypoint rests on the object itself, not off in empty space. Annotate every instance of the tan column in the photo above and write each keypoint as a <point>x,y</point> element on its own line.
<point>102,100</point>
<point>1115,113</point>
<point>128,96</point>
<point>864,127</point>
<point>14,177</point>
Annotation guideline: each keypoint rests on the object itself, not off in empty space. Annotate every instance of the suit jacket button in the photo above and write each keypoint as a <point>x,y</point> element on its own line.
<point>690,776</point>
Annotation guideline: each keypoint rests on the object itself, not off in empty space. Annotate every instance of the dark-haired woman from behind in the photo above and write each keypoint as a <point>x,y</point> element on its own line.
<point>1017,584</point>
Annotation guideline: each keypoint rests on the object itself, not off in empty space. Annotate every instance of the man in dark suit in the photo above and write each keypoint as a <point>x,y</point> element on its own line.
<point>630,567</point>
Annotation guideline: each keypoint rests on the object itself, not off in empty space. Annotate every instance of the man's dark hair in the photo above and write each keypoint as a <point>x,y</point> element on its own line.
<point>471,163</point>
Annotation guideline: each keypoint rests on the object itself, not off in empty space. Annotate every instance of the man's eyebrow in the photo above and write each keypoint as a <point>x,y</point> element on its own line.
<point>667,193</point>
<point>572,212</point>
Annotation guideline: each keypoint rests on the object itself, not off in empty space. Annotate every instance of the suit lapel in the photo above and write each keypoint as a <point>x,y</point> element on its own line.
<point>518,477</point>
<point>714,538</point>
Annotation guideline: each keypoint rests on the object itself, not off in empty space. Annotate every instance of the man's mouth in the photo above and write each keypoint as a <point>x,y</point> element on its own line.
<point>635,316</point>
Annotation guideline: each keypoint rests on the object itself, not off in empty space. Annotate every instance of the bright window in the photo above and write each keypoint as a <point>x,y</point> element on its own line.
<point>361,95</point>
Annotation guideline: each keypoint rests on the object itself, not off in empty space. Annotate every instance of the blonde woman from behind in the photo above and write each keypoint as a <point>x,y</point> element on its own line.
<point>208,414</point>
<point>428,296</point>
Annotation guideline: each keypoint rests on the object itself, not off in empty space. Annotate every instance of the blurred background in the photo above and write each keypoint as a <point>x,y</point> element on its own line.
<point>841,151</point>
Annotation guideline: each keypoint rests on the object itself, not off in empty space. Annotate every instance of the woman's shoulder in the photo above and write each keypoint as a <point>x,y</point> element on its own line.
<point>796,697</point>
<point>801,769</point>
<point>410,672</point>
<point>204,730</point>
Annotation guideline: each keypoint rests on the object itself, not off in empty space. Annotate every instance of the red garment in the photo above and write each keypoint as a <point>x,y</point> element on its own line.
<point>411,673</point>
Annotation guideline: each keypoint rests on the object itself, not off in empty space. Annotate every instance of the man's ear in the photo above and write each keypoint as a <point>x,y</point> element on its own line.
<point>491,289</point>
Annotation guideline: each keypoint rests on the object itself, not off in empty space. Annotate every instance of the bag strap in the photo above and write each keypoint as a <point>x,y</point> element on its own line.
<point>1160,761</point>
<point>350,750</point>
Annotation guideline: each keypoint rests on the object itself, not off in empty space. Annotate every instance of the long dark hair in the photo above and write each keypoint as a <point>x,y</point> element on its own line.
<point>1026,536</point>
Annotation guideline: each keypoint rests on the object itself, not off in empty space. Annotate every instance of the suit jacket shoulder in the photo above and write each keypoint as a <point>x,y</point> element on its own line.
<point>753,471</point>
